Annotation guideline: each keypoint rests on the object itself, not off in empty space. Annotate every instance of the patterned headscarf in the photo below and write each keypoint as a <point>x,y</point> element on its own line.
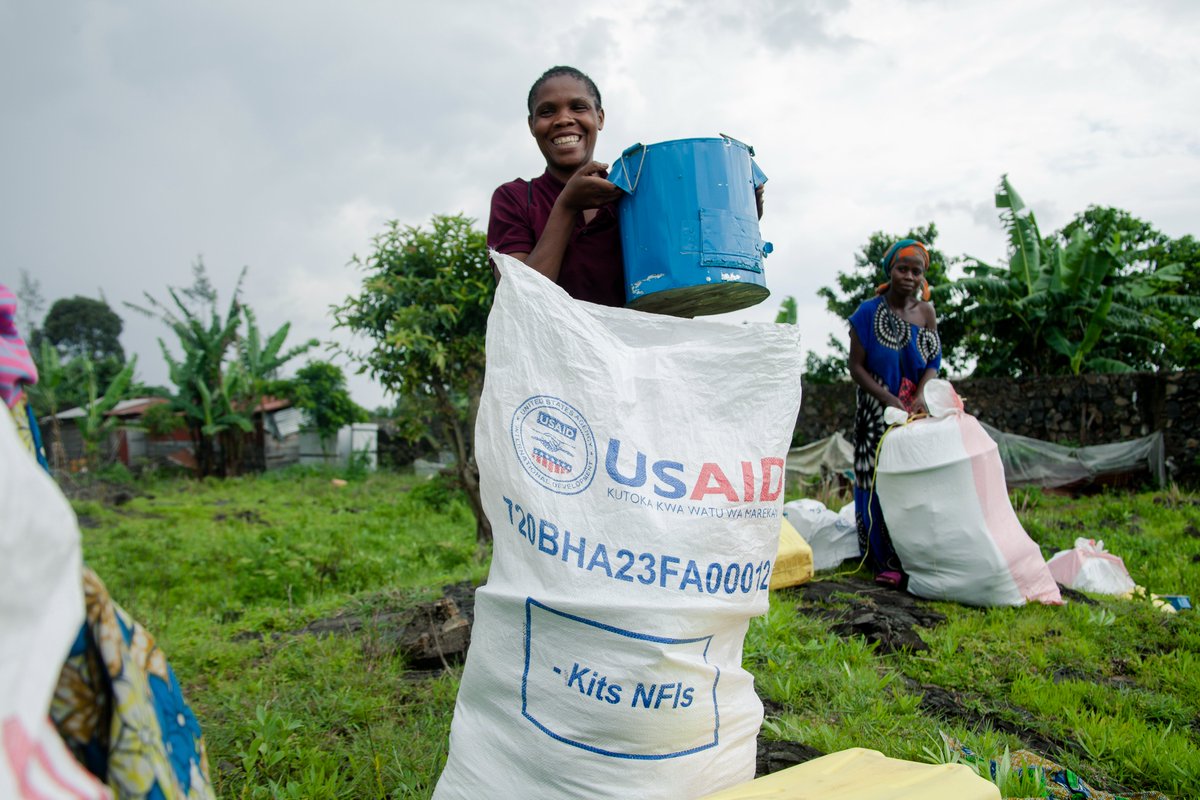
<point>902,248</point>
<point>16,367</point>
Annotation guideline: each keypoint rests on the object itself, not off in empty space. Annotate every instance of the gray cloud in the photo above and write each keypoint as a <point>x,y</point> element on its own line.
<point>282,134</point>
<point>982,213</point>
<point>787,24</point>
<point>780,25</point>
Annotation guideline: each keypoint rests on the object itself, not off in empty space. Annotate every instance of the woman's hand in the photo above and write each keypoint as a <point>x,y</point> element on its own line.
<point>587,188</point>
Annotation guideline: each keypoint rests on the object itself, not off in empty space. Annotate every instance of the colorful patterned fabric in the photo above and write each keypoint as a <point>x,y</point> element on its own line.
<point>16,367</point>
<point>897,355</point>
<point>120,710</point>
<point>902,247</point>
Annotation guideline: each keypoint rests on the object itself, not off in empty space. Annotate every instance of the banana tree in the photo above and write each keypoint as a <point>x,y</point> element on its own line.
<point>94,426</point>
<point>1062,304</point>
<point>260,365</point>
<point>207,339</point>
<point>225,419</point>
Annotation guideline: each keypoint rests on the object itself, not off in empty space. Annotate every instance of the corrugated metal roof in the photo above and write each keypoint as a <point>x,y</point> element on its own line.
<point>136,406</point>
<point>273,404</point>
<point>132,407</point>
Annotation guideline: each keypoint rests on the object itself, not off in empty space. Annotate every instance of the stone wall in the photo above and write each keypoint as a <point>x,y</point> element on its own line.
<point>1083,410</point>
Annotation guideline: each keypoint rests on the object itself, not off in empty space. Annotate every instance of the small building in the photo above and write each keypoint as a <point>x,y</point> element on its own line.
<point>288,438</point>
<point>291,441</point>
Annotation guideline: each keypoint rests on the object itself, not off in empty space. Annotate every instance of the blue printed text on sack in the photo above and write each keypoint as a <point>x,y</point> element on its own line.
<point>638,568</point>
<point>761,479</point>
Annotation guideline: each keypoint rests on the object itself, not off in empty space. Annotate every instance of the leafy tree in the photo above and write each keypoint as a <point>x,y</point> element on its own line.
<point>81,327</point>
<point>1066,303</point>
<point>46,396</point>
<point>1146,251</point>
<point>162,420</point>
<point>320,391</point>
<point>73,391</point>
<point>859,284</point>
<point>94,426</point>
<point>207,380</point>
<point>260,364</point>
<point>832,368</point>
<point>424,304</point>
<point>223,374</point>
<point>787,311</point>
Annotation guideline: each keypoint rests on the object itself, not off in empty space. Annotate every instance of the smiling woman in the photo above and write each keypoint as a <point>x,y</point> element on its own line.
<point>563,223</point>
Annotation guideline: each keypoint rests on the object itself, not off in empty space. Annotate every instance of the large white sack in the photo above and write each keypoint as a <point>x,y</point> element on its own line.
<point>941,487</point>
<point>632,469</point>
<point>833,536</point>
<point>41,609</point>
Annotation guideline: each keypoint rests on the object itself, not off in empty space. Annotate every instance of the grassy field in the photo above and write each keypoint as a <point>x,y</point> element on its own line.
<point>227,573</point>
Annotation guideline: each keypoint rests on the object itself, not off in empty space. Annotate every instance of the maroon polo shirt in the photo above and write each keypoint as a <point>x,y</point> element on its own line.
<point>591,266</point>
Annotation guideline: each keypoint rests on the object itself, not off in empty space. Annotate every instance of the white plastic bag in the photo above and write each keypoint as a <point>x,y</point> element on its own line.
<point>631,466</point>
<point>941,487</point>
<point>1088,567</point>
<point>833,536</point>
<point>41,609</point>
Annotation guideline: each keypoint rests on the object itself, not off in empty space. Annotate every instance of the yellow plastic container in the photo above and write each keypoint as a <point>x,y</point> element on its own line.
<point>794,562</point>
<point>859,774</point>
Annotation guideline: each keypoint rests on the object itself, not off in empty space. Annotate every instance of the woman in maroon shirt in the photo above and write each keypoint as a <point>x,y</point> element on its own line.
<point>564,223</point>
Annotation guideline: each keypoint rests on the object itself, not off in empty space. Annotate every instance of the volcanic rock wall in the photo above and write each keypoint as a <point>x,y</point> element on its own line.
<point>1072,410</point>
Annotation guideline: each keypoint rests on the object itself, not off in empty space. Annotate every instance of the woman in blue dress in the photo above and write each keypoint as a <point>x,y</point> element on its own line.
<point>894,350</point>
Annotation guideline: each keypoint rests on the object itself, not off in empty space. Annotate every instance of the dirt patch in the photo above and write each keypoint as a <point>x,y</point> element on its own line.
<point>772,756</point>
<point>1071,596</point>
<point>253,517</point>
<point>893,618</point>
<point>971,710</point>
<point>86,487</point>
<point>1167,501</point>
<point>879,614</point>
<point>430,636</point>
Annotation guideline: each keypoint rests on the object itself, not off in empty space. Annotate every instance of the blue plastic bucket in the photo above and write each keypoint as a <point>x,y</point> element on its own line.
<point>689,226</point>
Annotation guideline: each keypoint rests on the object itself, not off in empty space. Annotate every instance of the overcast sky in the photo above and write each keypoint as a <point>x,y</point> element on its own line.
<point>282,134</point>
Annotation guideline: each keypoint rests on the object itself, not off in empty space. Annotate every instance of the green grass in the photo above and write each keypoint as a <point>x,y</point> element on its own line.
<point>211,566</point>
<point>1114,685</point>
<point>222,572</point>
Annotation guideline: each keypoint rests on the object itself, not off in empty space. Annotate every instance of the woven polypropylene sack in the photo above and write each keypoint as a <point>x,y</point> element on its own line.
<point>941,487</point>
<point>832,535</point>
<point>41,609</point>
<point>631,466</point>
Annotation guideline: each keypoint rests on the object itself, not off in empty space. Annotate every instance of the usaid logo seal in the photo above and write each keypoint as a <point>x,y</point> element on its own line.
<point>554,444</point>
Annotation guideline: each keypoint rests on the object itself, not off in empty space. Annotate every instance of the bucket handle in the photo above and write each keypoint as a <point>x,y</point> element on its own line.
<point>756,174</point>
<point>729,138</point>
<point>629,150</point>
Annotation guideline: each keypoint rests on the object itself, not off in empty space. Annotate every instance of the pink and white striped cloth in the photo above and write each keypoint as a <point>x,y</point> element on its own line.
<point>941,485</point>
<point>16,365</point>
